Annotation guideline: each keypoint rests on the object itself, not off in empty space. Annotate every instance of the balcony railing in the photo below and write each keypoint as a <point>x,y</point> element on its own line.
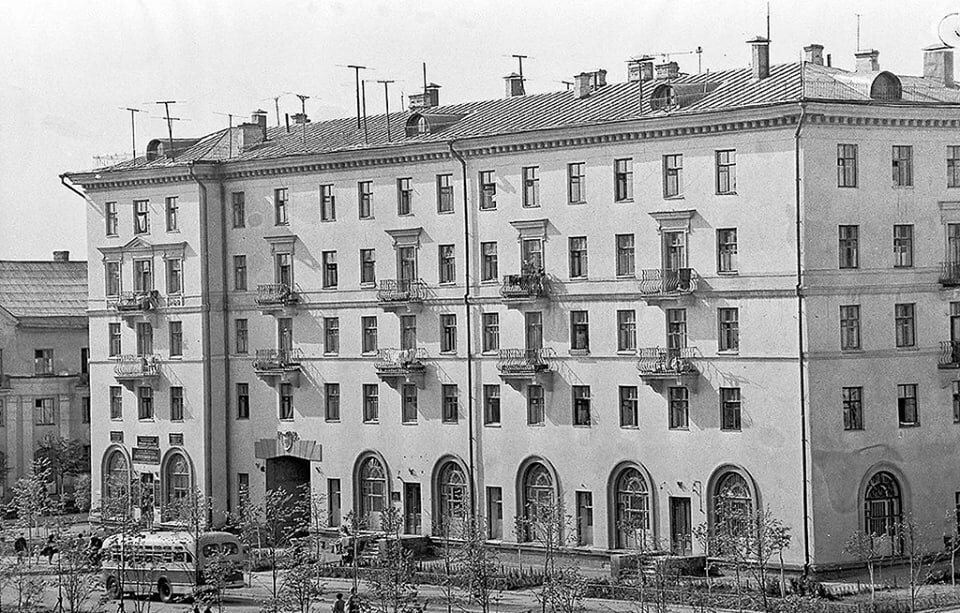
<point>660,362</point>
<point>400,362</point>
<point>132,367</point>
<point>277,360</point>
<point>525,286</point>
<point>524,362</point>
<point>135,302</point>
<point>950,273</point>
<point>949,354</point>
<point>393,291</point>
<point>276,295</point>
<point>658,282</point>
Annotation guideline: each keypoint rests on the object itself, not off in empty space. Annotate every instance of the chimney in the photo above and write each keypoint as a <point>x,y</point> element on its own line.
<point>600,78</point>
<point>938,64</point>
<point>61,256</point>
<point>259,117</point>
<point>300,118</point>
<point>428,99</point>
<point>639,70</point>
<point>514,83</point>
<point>867,60</point>
<point>670,70</point>
<point>250,134</point>
<point>582,84</point>
<point>813,54</point>
<point>760,60</point>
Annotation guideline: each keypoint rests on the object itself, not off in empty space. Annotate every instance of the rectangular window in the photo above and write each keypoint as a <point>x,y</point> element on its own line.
<point>144,402</point>
<point>729,408</point>
<point>116,402</point>
<point>176,338</point>
<point>115,339</point>
<point>451,401</point>
<point>43,362</point>
<point>141,216</point>
<point>576,183</point>
<point>368,266</point>
<point>286,401</point>
<point>904,314</point>
<point>629,407</point>
<point>488,262</point>
<point>491,332</point>
<point>408,403</point>
<point>408,332</point>
<point>953,166</point>
<point>852,408</point>
<point>110,218</point>
<point>902,166</point>
<point>330,279</point>
<point>846,165</point>
<point>84,411</point>
<point>280,207</point>
<point>623,180</point>
<point>849,327</point>
<point>535,412</point>
<point>444,193</point>
<point>368,341</point>
<point>903,246</point>
<point>491,405</point>
<point>956,402</point>
<point>849,246</point>
<point>243,401</point>
<point>331,401</point>
<point>626,250</point>
<point>494,513</point>
<point>627,330</point>
<point>585,518</point>
<point>365,199</point>
<point>531,187</point>
<point>176,403</point>
<point>907,405</point>
<point>581,405</point>
<point>371,402</point>
<point>174,276</point>
<point>331,335</point>
<point>679,408</point>
<point>243,490</point>
<point>43,414</point>
<point>238,203</point>
<point>404,196</point>
<point>144,338</point>
<point>672,175</point>
<point>579,331</point>
<point>448,333</point>
<point>578,257</point>
<point>240,272</point>
<point>448,264</point>
<point>676,328</point>
<point>728,320</point>
<point>727,250</point>
<point>333,503</point>
<point>328,203</point>
<point>240,332</point>
<point>142,275</point>
<point>112,278</point>
<point>488,190</point>
<point>173,213</point>
<point>727,171</point>
<point>3,418</point>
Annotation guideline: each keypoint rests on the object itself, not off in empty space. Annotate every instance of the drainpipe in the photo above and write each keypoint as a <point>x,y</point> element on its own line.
<point>469,325</point>
<point>227,387</point>
<point>804,440</point>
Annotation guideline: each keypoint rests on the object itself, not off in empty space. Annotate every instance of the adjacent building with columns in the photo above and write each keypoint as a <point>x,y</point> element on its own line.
<point>652,301</point>
<point>44,381</point>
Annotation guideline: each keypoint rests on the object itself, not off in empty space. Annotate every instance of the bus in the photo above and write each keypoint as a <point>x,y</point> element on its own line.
<point>167,564</point>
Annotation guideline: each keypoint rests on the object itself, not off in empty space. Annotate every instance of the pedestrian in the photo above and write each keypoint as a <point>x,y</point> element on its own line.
<point>353,604</point>
<point>20,547</point>
<point>338,604</point>
<point>49,549</point>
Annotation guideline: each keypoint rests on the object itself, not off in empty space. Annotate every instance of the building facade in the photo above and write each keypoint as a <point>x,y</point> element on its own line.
<point>652,302</point>
<point>44,381</point>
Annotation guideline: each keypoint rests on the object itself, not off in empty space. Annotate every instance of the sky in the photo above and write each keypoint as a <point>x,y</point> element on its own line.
<point>67,69</point>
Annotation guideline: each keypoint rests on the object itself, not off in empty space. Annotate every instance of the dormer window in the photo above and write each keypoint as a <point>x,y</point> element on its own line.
<point>664,98</point>
<point>417,125</point>
<point>886,87</point>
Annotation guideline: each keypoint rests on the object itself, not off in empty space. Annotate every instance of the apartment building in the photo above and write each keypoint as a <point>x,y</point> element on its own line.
<point>651,301</point>
<point>44,381</point>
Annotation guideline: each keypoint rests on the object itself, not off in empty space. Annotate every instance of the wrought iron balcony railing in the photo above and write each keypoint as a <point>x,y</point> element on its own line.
<point>949,354</point>
<point>663,362</point>
<point>666,282</point>
<point>401,290</point>
<point>273,360</point>
<point>524,362</point>
<point>950,273</point>
<point>276,294</point>
<point>400,362</point>
<point>135,302</point>
<point>527,285</point>
<point>129,367</point>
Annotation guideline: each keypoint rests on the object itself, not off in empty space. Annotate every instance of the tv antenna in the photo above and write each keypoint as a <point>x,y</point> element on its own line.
<point>229,117</point>
<point>858,30</point>
<point>133,127</point>
<point>948,30</point>
<point>303,113</point>
<point>356,75</point>
<point>386,100</point>
<point>166,108</point>
<point>667,55</point>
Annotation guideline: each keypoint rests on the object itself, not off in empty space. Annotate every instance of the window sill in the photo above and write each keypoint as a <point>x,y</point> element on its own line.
<point>286,419</point>
<point>490,282</point>
<point>245,418</point>
<point>492,425</point>
<point>450,212</point>
<point>331,354</point>
<point>853,430</point>
<point>176,358</point>
<point>622,427</point>
<point>239,227</point>
<point>530,206</point>
<point>675,197</point>
<point>371,422</point>
<point>912,425</point>
<point>450,422</point>
<point>687,429</point>
<point>847,186</point>
<point>176,231</point>
<point>484,210</point>
<point>328,220</point>
<point>908,349</point>
<point>624,201</point>
<point>629,277</point>
<point>368,285</point>
<point>731,430</point>
<point>332,421</point>
<point>627,352</point>
<point>142,420</point>
<point>728,352</point>
<point>584,426</point>
<point>910,267</point>
<point>409,423</point>
<point>111,236</point>
<point>578,203</point>
<point>909,187</point>
<point>854,351</point>
<point>447,283</point>
<point>369,354</point>
<point>728,273</point>
<point>370,218</point>
<point>404,214</point>
<point>579,278</point>
<point>726,193</point>
<point>537,425</point>
<point>579,352</point>
<point>448,353</point>
<point>176,421</point>
<point>329,288</point>
<point>492,353</point>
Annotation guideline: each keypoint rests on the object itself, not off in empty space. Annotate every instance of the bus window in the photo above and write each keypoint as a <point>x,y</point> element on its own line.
<point>229,549</point>
<point>210,549</point>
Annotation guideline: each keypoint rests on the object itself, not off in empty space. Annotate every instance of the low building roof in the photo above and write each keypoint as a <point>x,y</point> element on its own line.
<point>44,294</point>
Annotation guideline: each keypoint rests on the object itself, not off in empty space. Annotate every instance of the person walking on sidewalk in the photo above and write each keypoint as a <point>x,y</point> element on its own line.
<point>338,604</point>
<point>353,605</point>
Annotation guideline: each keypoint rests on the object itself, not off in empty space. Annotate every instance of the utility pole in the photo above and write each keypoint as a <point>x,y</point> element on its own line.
<point>858,30</point>
<point>386,99</point>
<point>356,75</point>
<point>166,107</point>
<point>133,128</point>
<point>363,97</point>
<point>303,116</point>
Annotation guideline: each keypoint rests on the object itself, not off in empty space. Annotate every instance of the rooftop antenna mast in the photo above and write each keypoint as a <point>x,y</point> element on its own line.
<point>520,59</point>
<point>166,107</point>
<point>858,30</point>
<point>768,22</point>
<point>276,105</point>
<point>303,116</point>
<point>424,77</point>
<point>386,99</point>
<point>229,117</point>
<point>356,74</point>
<point>363,98</point>
<point>133,127</point>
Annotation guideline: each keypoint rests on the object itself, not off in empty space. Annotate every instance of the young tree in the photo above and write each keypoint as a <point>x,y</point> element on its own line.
<point>864,547</point>
<point>81,493</point>
<point>77,575</point>
<point>392,577</point>
<point>765,536</point>
<point>921,558</point>
<point>480,564</point>
<point>351,526</point>
<point>300,588</point>
<point>549,525</point>
<point>30,498</point>
<point>276,521</point>
<point>217,570</point>
<point>951,541</point>
<point>65,458</point>
<point>119,503</point>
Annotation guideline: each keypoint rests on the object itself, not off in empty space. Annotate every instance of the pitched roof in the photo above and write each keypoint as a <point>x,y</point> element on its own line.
<point>44,293</point>
<point>699,93</point>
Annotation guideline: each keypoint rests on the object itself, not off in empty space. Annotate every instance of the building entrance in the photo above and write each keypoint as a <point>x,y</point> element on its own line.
<point>289,477</point>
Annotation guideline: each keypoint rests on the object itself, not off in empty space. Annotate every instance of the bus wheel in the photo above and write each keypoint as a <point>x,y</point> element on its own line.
<point>113,587</point>
<point>164,590</point>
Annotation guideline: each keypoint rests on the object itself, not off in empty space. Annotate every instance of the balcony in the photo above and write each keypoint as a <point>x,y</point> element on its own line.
<point>949,355</point>
<point>133,368</point>
<point>950,274</point>
<point>530,365</point>
<point>132,304</point>
<point>401,365</point>
<point>665,284</point>
<point>525,287</point>
<point>272,297</point>
<point>278,364</point>
<point>658,364</point>
<point>401,294</point>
